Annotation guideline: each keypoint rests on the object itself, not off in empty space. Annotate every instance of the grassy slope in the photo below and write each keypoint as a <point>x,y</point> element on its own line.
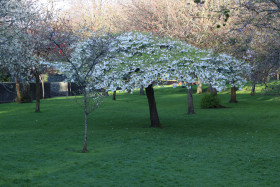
<point>219,147</point>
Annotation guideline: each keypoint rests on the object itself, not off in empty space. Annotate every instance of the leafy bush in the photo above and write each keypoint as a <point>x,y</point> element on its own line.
<point>272,88</point>
<point>209,100</point>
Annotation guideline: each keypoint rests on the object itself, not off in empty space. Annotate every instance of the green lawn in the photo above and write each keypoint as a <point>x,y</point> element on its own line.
<point>237,146</point>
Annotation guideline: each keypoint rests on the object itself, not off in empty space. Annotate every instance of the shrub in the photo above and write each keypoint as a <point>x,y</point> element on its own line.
<point>272,88</point>
<point>209,100</point>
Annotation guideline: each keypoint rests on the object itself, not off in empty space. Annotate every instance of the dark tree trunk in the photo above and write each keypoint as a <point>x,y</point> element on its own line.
<point>142,90</point>
<point>26,94</point>
<point>19,91</point>
<point>114,95</point>
<point>233,95</point>
<point>190,99</point>
<point>38,92</point>
<point>152,106</point>
<point>86,116</point>
<point>69,89</point>
<point>253,88</point>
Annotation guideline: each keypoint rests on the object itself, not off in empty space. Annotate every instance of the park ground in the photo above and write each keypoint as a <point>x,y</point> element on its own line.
<point>234,146</point>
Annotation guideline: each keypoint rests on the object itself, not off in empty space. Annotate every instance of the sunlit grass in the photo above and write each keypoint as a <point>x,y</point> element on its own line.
<point>236,146</point>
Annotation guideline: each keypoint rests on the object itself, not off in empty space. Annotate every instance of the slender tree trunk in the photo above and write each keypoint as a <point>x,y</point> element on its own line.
<point>199,88</point>
<point>233,95</point>
<point>142,90</point>
<point>86,116</point>
<point>114,95</point>
<point>253,88</point>
<point>23,92</point>
<point>38,92</point>
<point>26,94</point>
<point>190,99</point>
<point>69,89</point>
<point>43,86</point>
<point>278,76</point>
<point>152,107</point>
<point>19,91</point>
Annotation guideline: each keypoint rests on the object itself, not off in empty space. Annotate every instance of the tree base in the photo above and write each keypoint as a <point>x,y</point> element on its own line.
<point>84,150</point>
<point>155,123</point>
<point>156,126</point>
<point>233,101</point>
<point>25,99</point>
<point>217,107</point>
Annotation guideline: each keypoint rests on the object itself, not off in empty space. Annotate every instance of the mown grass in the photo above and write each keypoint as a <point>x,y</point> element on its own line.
<point>237,146</point>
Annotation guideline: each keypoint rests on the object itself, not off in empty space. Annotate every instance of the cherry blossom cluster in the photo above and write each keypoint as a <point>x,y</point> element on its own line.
<point>136,59</point>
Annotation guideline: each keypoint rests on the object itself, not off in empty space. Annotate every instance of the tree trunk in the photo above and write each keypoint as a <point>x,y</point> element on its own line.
<point>43,86</point>
<point>142,90</point>
<point>19,91</point>
<point>86,115</point>
<point>23,92</point>
<point>114,95</point>
<point>69,89</point>
<point>152,107</point>
<point>233,95</point>
<point>26,94</point>
<point>199,88</point>
<point>190,99</point>
<point>212,90</point>
<point>253,88</point>
<point>38,92</point>
<point>278,76</point>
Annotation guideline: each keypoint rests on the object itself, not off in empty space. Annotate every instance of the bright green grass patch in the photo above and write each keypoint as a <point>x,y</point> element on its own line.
<point>237,146</point>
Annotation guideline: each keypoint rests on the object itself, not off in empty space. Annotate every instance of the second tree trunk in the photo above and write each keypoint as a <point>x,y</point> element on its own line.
<point>152,107</point>
<point>86,116</point>
<point>19,91</point>
<point>253,88</point>
<point>38,93</point>
<point>190,100</point>
<point>142,90</point>
<point>233,95</point>
<point>114,95</point>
